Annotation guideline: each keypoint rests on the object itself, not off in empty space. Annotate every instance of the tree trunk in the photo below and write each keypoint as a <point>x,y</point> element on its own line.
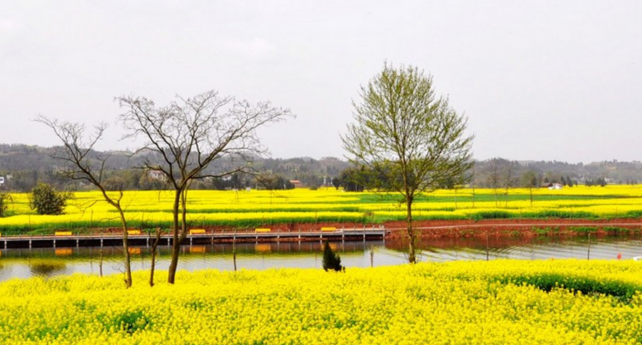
<point>473,196</point>
<point>496,203</point>
<point>100,264</point>
<point>154,246</point>
<point>128,266</point>
<point>506,198</point>
<point>411,236</point>
<point>455,199</point>
<point>171,273</point>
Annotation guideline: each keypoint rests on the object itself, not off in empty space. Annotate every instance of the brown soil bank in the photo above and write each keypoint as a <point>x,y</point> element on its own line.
<point>487,227</point>
<point>517,227</point>
<point>432,229</point>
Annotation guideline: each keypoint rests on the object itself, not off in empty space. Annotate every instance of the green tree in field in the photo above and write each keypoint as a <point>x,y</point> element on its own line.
<point>44,199</point>
<point>336,182</point>
<point>353,179</point>
<point>408,136</point>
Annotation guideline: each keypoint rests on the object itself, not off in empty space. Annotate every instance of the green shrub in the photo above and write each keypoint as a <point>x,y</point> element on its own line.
<point>46,200</point>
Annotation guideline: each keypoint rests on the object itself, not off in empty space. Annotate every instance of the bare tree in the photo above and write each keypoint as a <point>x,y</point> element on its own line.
<point>407,136</point>
<point>81,162</point>
<point>510,179</point>
<point>494,177</point>
<point>188,135</point>
<point>501,173</point>
<point>529,180</point>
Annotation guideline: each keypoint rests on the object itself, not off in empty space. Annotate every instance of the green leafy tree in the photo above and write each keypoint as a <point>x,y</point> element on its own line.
<point>336,182</point>
<point>353,179</point>
<point>408,137</point>
<point>46,200</point>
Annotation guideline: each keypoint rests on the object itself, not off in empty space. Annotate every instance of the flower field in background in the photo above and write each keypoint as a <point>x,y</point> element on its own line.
<point>238,209</point>
<point>496,302</point>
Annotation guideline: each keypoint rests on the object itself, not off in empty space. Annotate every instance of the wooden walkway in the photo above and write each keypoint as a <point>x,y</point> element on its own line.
<point>144,239</point>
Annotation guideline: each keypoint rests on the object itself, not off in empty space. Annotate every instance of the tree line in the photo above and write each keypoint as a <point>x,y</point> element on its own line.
<point>26,166</point>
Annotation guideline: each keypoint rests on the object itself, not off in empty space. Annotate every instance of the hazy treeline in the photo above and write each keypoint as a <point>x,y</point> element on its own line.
<point>500,172</point>
<point>24,166</point>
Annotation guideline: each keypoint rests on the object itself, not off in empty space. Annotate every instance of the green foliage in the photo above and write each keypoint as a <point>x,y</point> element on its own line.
<point>131,321</point>
<point>406,135</point>
<point>492,215</point>
<point>4,199</point>
<point>270,181</point>
<point>633,214</point>
<point>46,200</point>
<point>529,179</point>
<point>586,285</point>
<point>583,229</point>
<point>331,261</point>
<point>619,230</point>
<point>353,179</point>
<point>560,214</point>
<point>411,140</point>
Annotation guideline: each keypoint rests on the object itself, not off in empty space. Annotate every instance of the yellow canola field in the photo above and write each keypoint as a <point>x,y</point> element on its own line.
<point>247,208</point>
<point>451,303</point>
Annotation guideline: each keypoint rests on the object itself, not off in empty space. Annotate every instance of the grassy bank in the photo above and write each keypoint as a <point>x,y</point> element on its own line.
<point>497,302</point>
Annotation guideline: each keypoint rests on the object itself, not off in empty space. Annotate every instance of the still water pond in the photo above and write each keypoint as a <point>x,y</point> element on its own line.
<point>24,263</point>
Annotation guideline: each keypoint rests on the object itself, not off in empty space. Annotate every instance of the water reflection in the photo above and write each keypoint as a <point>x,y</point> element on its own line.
<point>23,263</point>
<point>46,267</point>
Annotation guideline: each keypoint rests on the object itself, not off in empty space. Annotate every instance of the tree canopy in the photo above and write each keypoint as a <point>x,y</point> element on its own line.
<point>407,136</point>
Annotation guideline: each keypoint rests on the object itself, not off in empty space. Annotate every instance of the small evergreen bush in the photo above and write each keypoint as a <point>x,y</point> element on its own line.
<point>331,261</point>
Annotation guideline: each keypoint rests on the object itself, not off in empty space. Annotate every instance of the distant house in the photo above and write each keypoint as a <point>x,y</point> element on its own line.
<point>156,175</point>
<point>550,185</point>
<point>296,183</point>
<point>1,180</point>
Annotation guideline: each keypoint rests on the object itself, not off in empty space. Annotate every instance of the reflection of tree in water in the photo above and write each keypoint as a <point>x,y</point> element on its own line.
<point>46,267</point>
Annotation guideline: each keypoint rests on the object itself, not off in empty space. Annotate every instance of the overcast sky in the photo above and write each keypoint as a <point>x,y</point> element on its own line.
<point>538,80</point>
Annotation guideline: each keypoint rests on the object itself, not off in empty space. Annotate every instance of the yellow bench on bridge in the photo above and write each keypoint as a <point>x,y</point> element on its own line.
<point>262,229</point>
<point>63,233</point>
<point>133,232</point>
<point>197,231</point>
<point>328,228</point>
